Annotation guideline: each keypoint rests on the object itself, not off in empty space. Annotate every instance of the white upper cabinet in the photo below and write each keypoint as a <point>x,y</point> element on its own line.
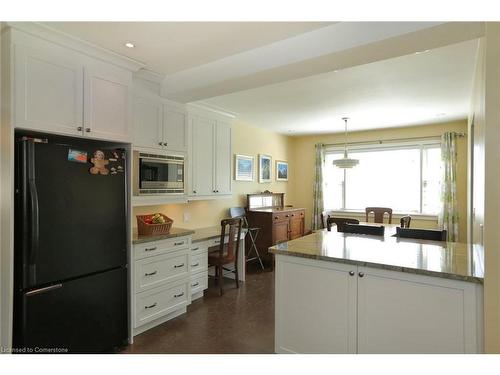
<point>223,157</point>
<point>202,156</point>
<point>174,128</point>
<point>48,90</point>
<point>61,90</point>
<point>210,155</point>
<point>107,102</point>
<point>148,122</point>
<point>159,124</point>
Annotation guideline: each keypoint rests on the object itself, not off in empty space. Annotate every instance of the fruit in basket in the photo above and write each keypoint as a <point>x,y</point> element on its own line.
<point>158,219</point>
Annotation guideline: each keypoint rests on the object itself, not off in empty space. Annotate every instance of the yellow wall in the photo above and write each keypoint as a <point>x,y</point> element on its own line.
<point>303,165</point>
<point>246,140</point>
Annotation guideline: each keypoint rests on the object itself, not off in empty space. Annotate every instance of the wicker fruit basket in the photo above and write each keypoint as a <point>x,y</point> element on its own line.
<point>146,228</point>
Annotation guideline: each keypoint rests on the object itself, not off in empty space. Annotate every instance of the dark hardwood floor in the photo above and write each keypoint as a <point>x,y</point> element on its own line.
<point>241,321</point>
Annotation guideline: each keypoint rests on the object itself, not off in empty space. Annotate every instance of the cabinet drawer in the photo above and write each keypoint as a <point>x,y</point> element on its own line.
<point>214,241</point>
<point>198,248</point>
<point>153,271</point>
<point>199,282</point>
<point>280,216</point>
<point>155,303</point>
<point>296,214</point>
<point>199,263</point>
<point>153,248</point>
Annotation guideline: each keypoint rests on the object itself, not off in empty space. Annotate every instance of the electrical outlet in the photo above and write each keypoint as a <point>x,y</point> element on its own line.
<point>187,216</point>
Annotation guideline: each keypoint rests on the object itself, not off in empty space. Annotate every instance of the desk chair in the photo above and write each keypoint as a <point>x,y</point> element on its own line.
<point>227,253</point>
<point>252,233</point>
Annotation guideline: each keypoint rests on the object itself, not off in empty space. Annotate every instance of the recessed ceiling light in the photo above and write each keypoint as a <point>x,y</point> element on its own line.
<point>129,45</point>
<point>420,52</point>
<point>440,114</point>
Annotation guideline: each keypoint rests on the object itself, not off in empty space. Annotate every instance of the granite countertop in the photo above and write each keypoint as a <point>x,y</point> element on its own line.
<point>174,232</point>
<point>199,234</point>
<point>450,260</point>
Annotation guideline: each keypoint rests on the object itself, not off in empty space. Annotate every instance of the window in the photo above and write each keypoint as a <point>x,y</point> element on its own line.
<point>405,177</point>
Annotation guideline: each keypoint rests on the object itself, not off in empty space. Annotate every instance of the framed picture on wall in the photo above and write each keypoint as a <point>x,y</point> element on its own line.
<point>265,166</point>
<point>281,170</point>
<point>243,167</point>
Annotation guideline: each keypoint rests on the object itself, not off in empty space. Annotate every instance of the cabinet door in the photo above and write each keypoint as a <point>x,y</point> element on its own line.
<point>315,306</point>
<point>48,90</point>
<point>148,123</point>
<point>296,225</point>
<point>107,102</point>
<point>280,231</point>
<point>404,313</point>
<point>202,159</point>
<point>174,128</point>
<point>223,157</point>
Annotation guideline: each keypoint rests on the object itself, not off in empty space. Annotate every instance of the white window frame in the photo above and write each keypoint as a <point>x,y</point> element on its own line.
<point>420,144</point>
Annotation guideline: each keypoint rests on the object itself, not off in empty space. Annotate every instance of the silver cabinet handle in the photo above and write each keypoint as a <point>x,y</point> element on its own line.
<point>361,274</point>
<point>178,295</point>
<point>195,265</point>
<point>195,284</point>
<point>87,130</point>
<point>351,273</point>
<point>195,248</point>
<point>160,143</point>
<point>150,306</point>
<point>178,243</point>
<point>179,265</point>
<point>150,273</point>
<point>194,191</point>
<point>165,144</point>
<point>79,128</point>
<point>150,249</point>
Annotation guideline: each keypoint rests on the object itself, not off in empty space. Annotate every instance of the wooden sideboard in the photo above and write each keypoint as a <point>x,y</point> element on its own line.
<point>277,223</point>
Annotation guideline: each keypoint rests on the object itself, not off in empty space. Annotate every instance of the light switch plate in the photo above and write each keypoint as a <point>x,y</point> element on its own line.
<point>187,216</point>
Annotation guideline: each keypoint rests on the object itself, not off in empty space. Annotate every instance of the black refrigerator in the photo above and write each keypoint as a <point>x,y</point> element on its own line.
<point>70,248</point>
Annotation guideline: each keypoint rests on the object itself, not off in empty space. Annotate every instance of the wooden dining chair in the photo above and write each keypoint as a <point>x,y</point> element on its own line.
<point>405,221</point>
<point>421,234</point>
<point>378,213</point>
<point>227,253</point>
<point>324,216</point>
<point>362,229</point>
<point>339,221</point>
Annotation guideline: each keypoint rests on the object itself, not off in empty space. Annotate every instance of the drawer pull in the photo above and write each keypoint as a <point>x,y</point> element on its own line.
<point>178,295</point>
<point>150,249</point>
<point>179,265</point>
<point>195,248</point>
<point>150,306</point>
<point>276,217</point>
<point>195,265</point>
<point>178,243</point>
<point>195,284</point>
<point>218,241</point>
<point>150,273</point>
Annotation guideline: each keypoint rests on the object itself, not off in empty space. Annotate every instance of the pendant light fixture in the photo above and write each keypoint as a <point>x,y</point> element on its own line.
<point>345,162</point>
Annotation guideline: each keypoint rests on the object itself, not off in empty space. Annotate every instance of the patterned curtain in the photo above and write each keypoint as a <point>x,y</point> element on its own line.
<point>318,187</point>
<point>448,218</point>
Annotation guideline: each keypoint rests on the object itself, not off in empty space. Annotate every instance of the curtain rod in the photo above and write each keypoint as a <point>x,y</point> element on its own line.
<point>381,141</point>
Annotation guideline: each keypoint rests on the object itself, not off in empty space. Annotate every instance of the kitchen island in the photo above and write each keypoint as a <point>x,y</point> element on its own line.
<point>347,293</point>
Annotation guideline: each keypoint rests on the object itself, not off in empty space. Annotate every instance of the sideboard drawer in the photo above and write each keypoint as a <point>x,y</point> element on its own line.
<point>199,263</point>
<point>153,248</point>
<point>157,302</point>
<point>153,271</point>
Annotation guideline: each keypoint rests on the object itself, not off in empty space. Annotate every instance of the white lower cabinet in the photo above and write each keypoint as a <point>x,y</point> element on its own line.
<point>199,269</point>
<point>327,307</point>
<point>168,275</point>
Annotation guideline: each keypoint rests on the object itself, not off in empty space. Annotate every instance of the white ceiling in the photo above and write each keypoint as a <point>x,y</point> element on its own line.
<point>434,86</point>
<point>169,47</point>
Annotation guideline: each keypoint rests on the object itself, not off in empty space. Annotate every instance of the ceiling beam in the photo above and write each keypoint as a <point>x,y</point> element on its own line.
<point>335,47</point>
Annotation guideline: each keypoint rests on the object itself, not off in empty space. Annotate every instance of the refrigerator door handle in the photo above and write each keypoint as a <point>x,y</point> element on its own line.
<point>43,290</point>
<point>34,229</point>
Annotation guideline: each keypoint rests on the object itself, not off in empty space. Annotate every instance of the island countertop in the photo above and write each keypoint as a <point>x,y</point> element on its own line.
<point>450,260</point>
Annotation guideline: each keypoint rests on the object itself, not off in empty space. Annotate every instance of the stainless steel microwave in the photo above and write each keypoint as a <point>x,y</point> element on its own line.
<point>157,174</point>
